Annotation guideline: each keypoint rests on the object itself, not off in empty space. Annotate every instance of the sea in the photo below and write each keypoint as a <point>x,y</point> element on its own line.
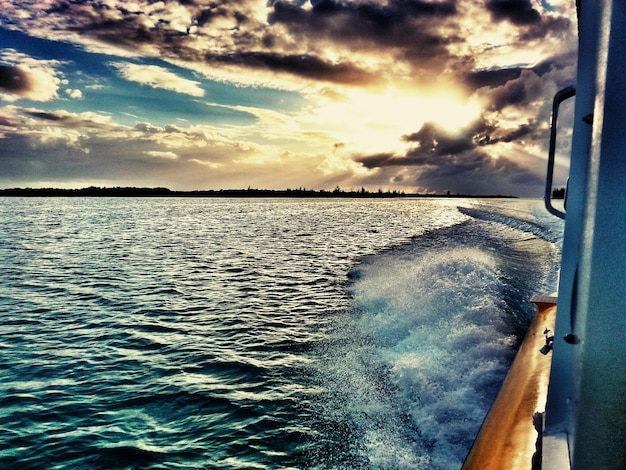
<point>216,333</point>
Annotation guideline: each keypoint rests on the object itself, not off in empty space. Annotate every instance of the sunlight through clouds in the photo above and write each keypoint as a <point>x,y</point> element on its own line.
<point>374,122</point>
<point>405,94</point>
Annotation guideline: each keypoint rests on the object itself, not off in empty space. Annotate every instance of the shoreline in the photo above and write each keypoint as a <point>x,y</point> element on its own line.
<point>222,193</point>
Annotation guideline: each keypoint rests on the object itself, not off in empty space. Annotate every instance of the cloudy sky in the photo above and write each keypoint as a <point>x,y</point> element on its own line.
<point>413,95</point>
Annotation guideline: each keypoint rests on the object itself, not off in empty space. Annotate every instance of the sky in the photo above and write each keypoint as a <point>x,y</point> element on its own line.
<point>423,96</point>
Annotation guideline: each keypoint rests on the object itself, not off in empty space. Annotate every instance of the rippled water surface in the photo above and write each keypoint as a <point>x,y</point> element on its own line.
<point>257,333</point>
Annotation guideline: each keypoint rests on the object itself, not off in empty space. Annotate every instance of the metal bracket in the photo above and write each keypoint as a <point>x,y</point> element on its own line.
<point>561,96</point>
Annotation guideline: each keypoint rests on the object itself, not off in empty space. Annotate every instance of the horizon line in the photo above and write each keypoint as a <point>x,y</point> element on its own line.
<point>132,191</point>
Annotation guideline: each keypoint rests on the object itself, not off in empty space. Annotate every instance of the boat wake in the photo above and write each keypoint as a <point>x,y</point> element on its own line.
<point>414,366</point>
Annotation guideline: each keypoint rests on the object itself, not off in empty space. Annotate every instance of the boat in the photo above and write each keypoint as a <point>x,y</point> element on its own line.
<point>577,419</point>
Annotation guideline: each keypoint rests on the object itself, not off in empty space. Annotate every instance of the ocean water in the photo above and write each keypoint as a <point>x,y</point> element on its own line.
<point>176,333</point>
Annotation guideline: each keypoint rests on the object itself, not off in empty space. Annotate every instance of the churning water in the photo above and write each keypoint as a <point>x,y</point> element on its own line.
<point>260,333</point>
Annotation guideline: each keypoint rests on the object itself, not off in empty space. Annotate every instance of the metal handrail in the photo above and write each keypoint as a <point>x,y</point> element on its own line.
<point>561,96</point>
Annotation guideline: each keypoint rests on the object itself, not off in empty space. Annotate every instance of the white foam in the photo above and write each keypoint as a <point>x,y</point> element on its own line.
<point>437,321</point>
<point>419,360</point>
<point>426,354</point>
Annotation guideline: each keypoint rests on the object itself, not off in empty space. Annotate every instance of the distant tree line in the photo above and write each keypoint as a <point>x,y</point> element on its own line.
<point>558,193</point>
<point>94,191</point>
<point>91,191</point>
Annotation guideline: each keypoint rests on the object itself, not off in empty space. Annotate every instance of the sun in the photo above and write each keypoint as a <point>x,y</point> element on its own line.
<point>451,113</point>
<point>376,122</point>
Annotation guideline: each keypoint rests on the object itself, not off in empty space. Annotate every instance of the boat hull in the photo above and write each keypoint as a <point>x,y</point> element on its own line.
<point>510,433</point>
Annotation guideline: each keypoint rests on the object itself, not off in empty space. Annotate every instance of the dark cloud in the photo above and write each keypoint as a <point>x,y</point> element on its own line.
<point>22,158</point>
<point>150,129</point>
<point>14,80</point>
<point>379,160</point>
<point>513,92</point>
<point>6,122</point>
<point>408,26</point>
<point>206,16</point>
<point>470,172</point>
<point>295,41</point>
<point>478,173</point>
<point>70,157</point>
<point>44,115</point>
<point>369,18</point>
<point>547,28</point>
<point>519,12</point>
<point>491,78</point>
<point>65,119</point>
<point>512,135</point>
<point>433,145</point>
<point>302,65</point>
<point>441,160</point>
<point>250,45</point>
<point>494,78</point>
<point>117,26</point>
<point>525,89</point>
<point>433,140</point>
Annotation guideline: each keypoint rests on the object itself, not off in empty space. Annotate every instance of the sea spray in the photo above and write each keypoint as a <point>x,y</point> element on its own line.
<point>431,333</point>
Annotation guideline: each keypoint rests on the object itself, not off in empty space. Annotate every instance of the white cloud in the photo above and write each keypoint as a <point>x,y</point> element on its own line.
<point>206,164</point>
<point>26,77</point>
<point>74,93</point>
<point>158,77</point>
<point>166,155</point>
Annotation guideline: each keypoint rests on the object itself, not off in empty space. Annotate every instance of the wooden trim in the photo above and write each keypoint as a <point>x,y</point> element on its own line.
<point>508,437</point>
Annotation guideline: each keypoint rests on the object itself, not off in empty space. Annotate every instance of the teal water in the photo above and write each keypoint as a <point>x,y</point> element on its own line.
<point>277,333</point>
